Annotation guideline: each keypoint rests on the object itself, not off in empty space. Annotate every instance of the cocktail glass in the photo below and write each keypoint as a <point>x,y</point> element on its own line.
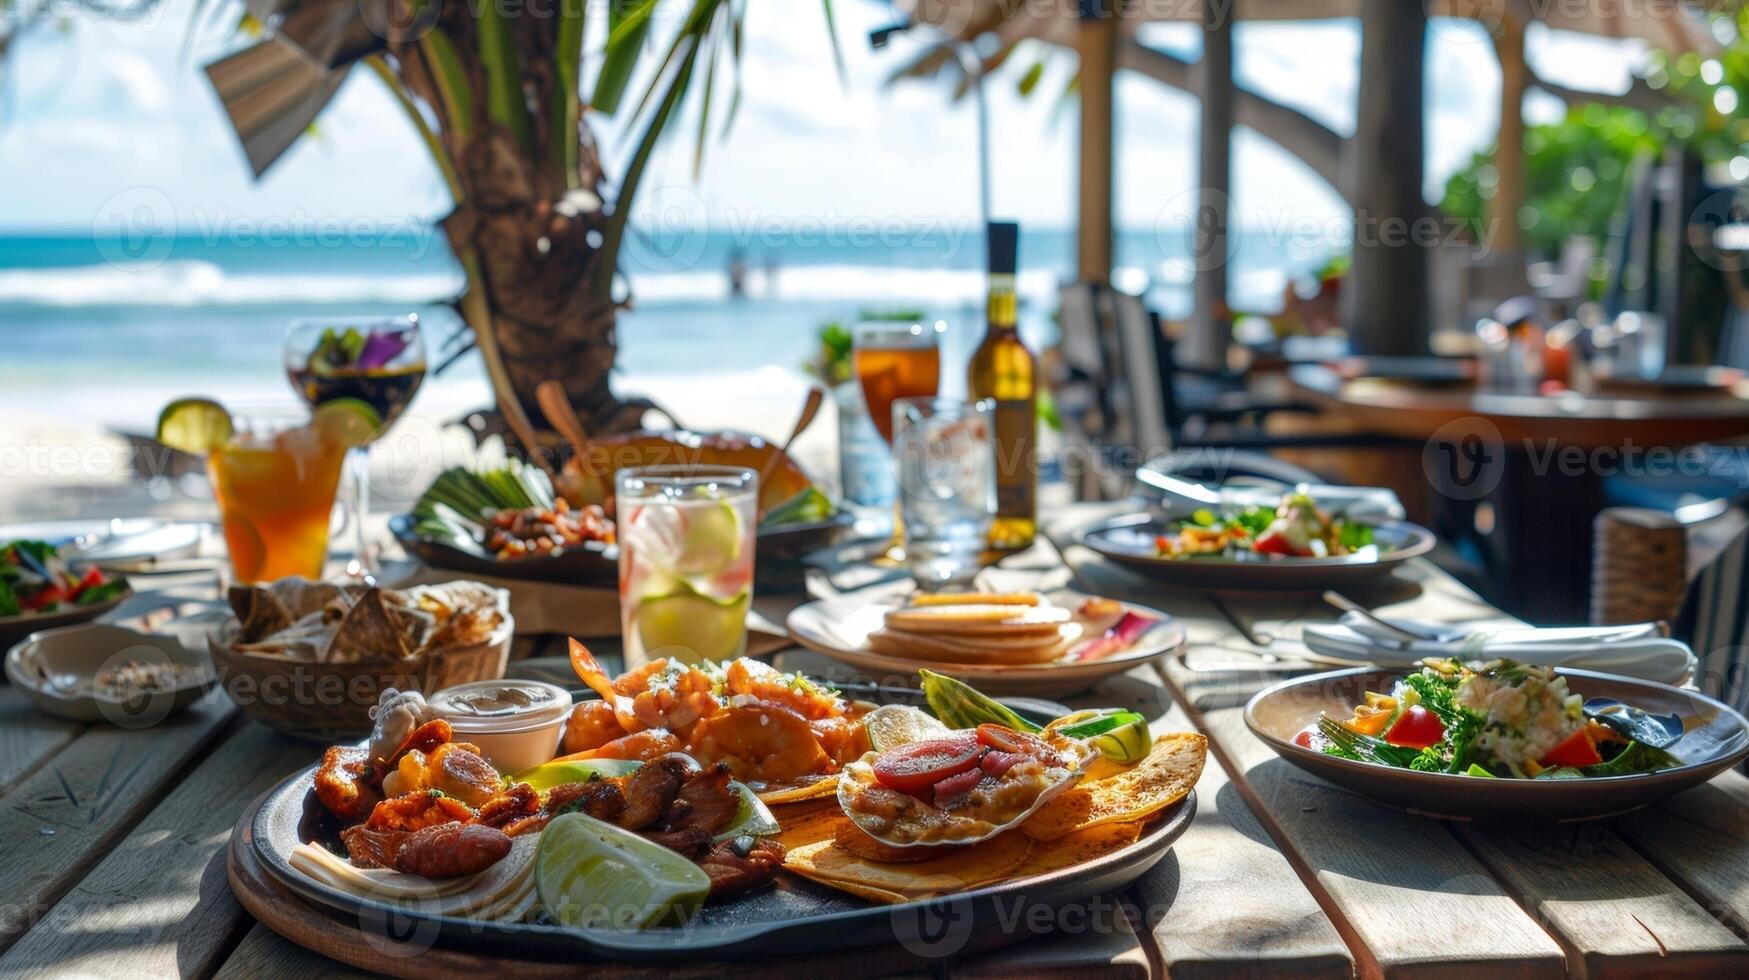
<point>894,361</point>
<point>377,363</point>
<point>274,480</point>
<point>685,561</point>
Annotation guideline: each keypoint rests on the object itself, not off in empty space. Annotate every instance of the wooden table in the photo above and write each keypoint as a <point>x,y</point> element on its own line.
<point>115,839</point>
<point>1518,479</point>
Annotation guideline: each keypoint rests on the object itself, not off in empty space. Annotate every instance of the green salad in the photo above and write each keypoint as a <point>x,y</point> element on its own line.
<point>35,579</point>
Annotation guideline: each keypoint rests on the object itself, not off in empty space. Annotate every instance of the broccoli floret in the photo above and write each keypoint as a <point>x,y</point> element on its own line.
<point>1437,694</point>
<point>1431,759</point>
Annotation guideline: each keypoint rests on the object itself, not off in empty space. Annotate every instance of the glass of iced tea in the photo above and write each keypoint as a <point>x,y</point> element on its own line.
<point>275,480</point>
<point>685,561</point>
<point>894,361</point>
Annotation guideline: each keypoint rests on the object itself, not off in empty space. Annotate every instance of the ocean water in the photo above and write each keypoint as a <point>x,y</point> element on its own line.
<point>105,329</point>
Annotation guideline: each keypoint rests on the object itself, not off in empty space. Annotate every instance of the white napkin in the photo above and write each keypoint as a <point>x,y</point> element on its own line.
<point>1632,651</point>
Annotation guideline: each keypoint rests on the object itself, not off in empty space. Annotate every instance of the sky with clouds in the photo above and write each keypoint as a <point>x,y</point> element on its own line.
<point>91,108</point>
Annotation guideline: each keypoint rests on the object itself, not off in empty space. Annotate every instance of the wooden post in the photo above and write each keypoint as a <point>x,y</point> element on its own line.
<point>1211,325</point>
<point>1385,300</point>
<point>1509,155</point>
<point>1096,42</point>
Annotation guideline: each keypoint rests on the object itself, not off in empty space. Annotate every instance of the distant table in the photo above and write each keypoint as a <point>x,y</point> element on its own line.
<point>1538,463</point>
<point>115,843</point>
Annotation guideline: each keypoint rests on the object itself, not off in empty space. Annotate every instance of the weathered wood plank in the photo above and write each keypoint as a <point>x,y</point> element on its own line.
<point>1383,874</point>
<point>1700,839</point>
<point>75,807</point>
<point>159,904</point>
<point>1095,940</point>
<point>1226,903</point>
<point>1614,912</point>
<point>264,953</point>
<point>28,738</point>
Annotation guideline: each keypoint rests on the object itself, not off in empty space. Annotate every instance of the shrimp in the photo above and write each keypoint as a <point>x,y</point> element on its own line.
<point>763,742</point>
<point>592,725</point>
<point>641,746</point>
<point>764,682</point>
<point>843,738</point>
<point>594,675</point>
<point>674,700</point>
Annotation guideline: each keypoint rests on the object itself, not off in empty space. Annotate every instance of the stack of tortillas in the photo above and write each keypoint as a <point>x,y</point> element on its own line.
<point>502,893</point>
<point>977,628</point>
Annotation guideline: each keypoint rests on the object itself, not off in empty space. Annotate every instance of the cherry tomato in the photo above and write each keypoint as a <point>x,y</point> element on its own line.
<point>916,767</point>
<point>1576,750</point>
<point>48,595</point>
<point>93,577</point>
<point>1304,739</point>
<point>1004,739</point>
<point>1416,728</point>
<point>960,782</point>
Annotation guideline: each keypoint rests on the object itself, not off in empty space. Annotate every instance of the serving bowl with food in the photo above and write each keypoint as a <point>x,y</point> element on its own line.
<point>756,810</point>
<point>1022,642</point>
<point>1499,739</point>
<point>1293,544</point>
<point>309,658</point>
<point>40,589</point>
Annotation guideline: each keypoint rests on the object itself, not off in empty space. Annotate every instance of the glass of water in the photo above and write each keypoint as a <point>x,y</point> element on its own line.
<point>945,461</point>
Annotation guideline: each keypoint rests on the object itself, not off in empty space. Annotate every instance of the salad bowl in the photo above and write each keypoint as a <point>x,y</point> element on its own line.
<point>1714,738</point>
<point>1130,541</point>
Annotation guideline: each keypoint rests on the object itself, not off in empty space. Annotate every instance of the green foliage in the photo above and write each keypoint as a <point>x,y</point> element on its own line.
<point>832,363</point>
<point>1576,174</point>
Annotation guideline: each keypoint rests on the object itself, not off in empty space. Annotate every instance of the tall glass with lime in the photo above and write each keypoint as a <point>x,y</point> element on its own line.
<point>685,561</point>
<point>274,479</point>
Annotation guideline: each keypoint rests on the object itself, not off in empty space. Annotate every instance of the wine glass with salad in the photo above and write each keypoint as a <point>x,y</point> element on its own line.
<point>371,365</point>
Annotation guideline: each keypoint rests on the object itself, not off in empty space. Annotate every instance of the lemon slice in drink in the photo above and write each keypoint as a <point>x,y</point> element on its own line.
<point>349,422</point>
<point>591,874</point>
<point>712,539</point>
<point>194,425</point>
<point>692,626</point>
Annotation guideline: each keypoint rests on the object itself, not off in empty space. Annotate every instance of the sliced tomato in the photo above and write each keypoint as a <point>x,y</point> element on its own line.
<point>1576,749</point>
<point>916,767</point>
<point>44,598</point>
<point>1304,738</point>
<point>1004,739</point>
<point>1416,728</point>
<point>958,783</point>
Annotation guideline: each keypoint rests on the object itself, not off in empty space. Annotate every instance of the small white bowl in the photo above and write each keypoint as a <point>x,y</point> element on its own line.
<point>516,723</point>
<point>56,668</point>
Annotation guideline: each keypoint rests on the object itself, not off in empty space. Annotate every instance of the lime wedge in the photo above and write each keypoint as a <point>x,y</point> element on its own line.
<point>892,725</point>
<point>194,425</point>
<point>349,422</point>
<point>752,817</point>
<point>712,539</point>
<point>591,874</point>
<point>693,627</point>
<point>546,776</point>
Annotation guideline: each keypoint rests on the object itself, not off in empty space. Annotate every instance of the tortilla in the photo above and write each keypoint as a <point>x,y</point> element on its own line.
<point>975,649</point>
<point>485,892</point>
<point>979,619</point>
<point>942,872</point>
<point>794,793</point>
<point>1167,775</point>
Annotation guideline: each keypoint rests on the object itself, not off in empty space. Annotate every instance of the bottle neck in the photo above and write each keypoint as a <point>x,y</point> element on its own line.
<point>1003,310</point>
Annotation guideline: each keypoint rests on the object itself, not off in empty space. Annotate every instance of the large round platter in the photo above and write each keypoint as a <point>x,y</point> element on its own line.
<point>838,628</point>
<point>794,916</point>
<point>1716,739</point>
<point>592,564</point>
<point>1129,541</point>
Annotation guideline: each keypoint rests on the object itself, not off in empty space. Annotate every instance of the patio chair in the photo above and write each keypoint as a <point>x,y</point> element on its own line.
<point>1715,610</point>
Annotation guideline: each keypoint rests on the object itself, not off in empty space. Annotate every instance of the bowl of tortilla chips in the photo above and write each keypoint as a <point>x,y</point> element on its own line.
<point>309,659</point>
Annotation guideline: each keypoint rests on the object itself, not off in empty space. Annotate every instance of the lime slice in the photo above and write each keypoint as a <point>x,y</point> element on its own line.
<point>693,627</point>
<point>349,422</point>
<point>752,817</point>
<point>545,777</point>
<point>712,539</point>
<point>1121,736</point>
<point>194,425</point>
<point>591,874</point>
<point>893,725</point>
